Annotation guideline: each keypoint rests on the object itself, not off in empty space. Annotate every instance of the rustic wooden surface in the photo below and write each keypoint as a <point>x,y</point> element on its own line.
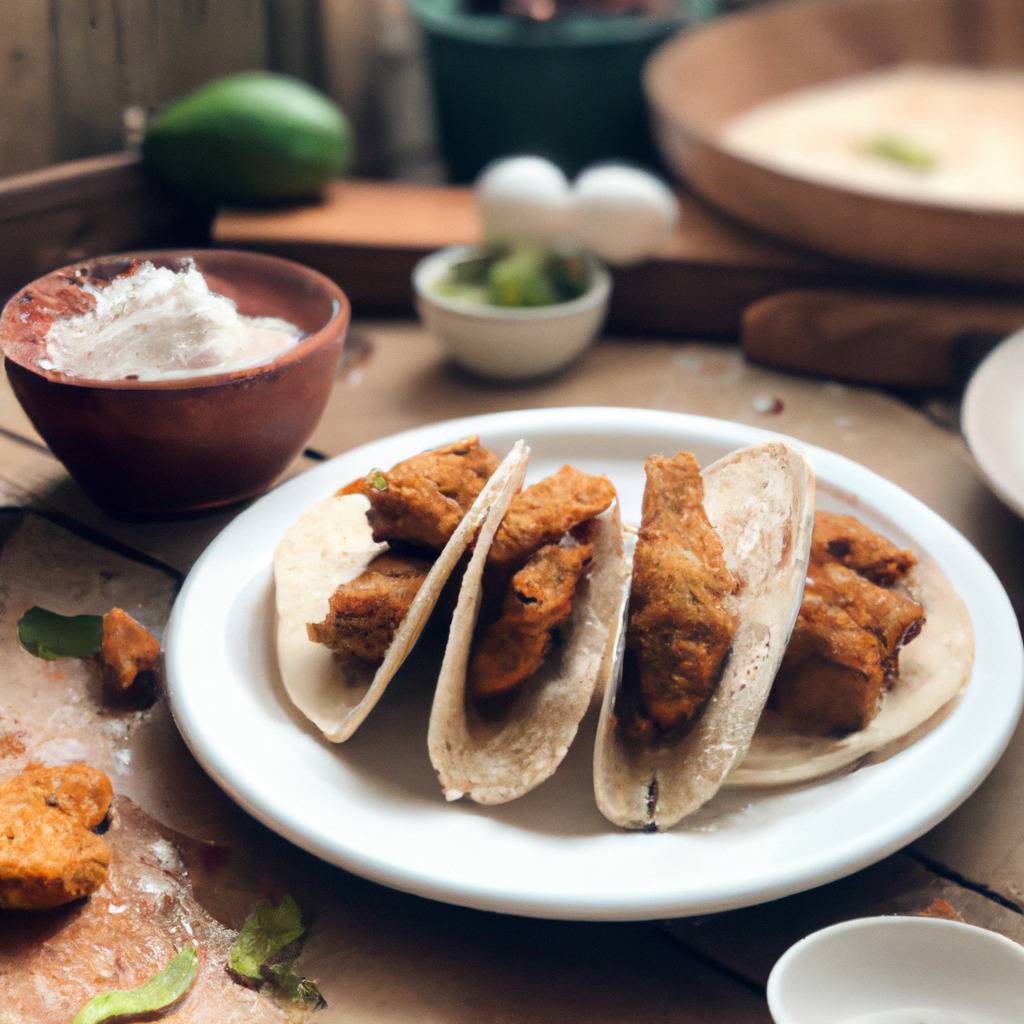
<point>384,956</point>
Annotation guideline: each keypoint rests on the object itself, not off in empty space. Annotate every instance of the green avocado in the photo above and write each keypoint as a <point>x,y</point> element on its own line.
<point>249,138</point>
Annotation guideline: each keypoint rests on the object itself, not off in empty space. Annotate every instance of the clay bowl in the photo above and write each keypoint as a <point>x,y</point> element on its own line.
<point>147,449</point>
<point>697,83</point>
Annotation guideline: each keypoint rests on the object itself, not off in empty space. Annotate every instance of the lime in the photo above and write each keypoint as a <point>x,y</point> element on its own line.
<point>250,137</point>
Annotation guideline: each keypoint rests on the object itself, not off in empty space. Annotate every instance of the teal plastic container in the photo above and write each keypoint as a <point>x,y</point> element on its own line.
<point>568,89</point>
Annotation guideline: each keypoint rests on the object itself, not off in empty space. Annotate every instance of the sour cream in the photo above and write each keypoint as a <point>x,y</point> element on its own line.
<point>155,323</point>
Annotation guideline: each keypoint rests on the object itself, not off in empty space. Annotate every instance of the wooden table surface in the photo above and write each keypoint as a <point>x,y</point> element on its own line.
<point>383,956</point>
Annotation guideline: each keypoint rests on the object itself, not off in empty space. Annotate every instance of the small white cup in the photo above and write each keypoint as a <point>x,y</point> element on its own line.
<point>508,342</point>
<point>879,970</point>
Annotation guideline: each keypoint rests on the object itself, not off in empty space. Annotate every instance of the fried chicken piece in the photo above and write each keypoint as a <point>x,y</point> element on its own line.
<point>423,499</point>
<point>831,680</point>
<point>893,618</point>
<point>538,601</point>
<point>679,630</point>
<point>48,855</point>
<point>364,613</point>
<point>848,541</point>
<point>844,649</point>
<point>128,648</point>
<point>543,513</point>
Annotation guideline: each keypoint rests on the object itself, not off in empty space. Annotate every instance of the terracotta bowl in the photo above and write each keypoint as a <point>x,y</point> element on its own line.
<point>699,81</point>
<point>145,449</point>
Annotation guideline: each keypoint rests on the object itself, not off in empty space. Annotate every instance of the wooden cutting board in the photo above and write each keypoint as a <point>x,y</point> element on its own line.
<point>714,278</point>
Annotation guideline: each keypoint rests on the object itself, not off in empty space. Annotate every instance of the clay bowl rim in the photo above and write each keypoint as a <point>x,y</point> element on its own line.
<point>328,332</point>
<point>656,88</point>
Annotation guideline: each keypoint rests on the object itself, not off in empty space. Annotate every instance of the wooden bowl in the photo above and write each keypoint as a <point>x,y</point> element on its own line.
<point>143,449</point>
<point>698,82</point>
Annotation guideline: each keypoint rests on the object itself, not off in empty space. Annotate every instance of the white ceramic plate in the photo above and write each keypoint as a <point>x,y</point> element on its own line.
<point>373,806</point>
<point>993,420</point>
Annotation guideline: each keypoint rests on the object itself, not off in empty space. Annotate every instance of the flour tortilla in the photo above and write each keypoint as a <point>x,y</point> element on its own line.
<point>494,762</point>
<point>760,500</point>
<point>330,544</point>
<point>934,669</point>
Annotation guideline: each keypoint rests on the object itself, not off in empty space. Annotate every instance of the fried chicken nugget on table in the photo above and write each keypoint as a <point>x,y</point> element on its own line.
<point>48,854</point>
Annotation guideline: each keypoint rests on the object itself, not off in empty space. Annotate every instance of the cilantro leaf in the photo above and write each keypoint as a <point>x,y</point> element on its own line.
<point>161,992</point>
<point>49,635</point>
<point>266,950</point>
<point>267,932</point>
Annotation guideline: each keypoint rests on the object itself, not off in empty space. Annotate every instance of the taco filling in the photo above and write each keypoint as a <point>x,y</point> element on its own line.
<point>415,507</point>
<point>539,556</point>
<point>852,624</point>
<point>679,628</point>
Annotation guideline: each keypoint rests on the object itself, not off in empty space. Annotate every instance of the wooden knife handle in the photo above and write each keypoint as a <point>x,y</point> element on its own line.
<point>870,337</point>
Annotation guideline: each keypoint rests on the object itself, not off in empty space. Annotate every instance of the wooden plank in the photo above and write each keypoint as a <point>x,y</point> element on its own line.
<point>368,236</point>
<point>77,209</point>
<point>110,55</point>
<point>27,131</point>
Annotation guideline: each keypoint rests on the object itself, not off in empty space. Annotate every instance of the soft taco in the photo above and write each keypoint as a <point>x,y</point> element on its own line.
<point>881,648</point>
<point>529,639</point>
<point>718,573</point>
<point>357,576</point>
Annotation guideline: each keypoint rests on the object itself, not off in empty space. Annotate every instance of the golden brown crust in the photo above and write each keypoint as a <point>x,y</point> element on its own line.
<point>846,540</point>
<point>128,649</point>
<point>363,614</point>
<point>538,600</point>
<point>679,629</point>
<point>422,500</point>
<point>48,855</point>
<point>847,638</point>
<point>543,513</point>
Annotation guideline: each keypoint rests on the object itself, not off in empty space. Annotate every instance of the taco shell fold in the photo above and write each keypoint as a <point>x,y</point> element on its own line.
<point>330,544</point>
<point>760,500</point>
<point>493,762</point>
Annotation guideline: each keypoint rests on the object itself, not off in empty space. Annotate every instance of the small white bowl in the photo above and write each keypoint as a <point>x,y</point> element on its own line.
<point>508,342</point>
<point>899,970</point>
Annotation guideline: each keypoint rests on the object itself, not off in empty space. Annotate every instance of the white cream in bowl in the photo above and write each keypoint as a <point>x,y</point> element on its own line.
<point>155,323</point>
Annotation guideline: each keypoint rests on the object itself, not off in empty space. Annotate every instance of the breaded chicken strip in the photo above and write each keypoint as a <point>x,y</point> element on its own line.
<point>538,600</point>
<point>845,646</point>
<point>848,541</point>
<point>363,614</point>
<point>679,630</point>
<point>544,512</point>
<point>422,500</point>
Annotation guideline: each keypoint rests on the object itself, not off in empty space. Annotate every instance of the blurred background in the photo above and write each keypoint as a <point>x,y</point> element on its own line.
<point>81,76</point>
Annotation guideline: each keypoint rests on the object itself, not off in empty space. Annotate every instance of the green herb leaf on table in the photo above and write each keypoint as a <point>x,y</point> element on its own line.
<point>49,635</point>
<point>160,993</point>
<point>266,950</point>
<point>900,151</point>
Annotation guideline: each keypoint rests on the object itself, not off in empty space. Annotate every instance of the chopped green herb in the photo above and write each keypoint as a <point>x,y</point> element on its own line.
<point>900,151</point>
<point>265,934</point>
<point>49,635</point>
<point>378,480</point>
<point>266,950</point>
<point>525,274</point>
<point>160,993</point>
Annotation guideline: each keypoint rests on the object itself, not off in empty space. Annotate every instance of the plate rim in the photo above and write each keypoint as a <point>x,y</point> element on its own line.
<point>969,415</point>
<point>872,846</point>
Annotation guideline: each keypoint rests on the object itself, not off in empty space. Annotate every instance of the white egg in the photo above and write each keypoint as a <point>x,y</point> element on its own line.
<point>523,197</point>
<point>622,214</point>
